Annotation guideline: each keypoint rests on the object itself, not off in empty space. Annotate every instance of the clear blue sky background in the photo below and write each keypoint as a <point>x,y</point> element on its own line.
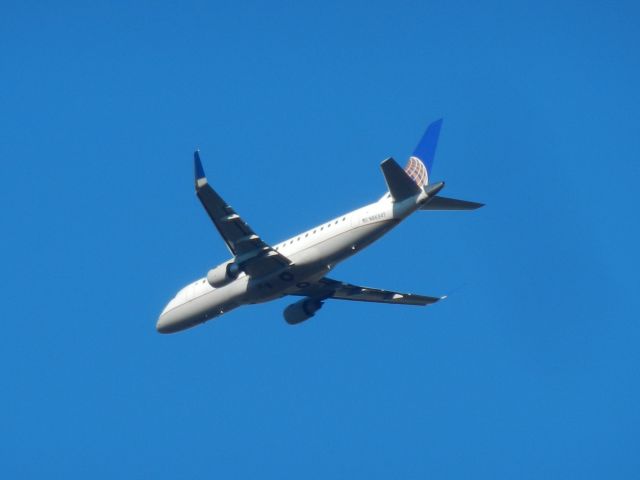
<point>530,370</point>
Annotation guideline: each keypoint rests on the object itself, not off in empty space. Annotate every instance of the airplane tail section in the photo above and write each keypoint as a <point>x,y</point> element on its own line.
<point>415,176</point>
<point>421,161</point>
<point>400,184</point>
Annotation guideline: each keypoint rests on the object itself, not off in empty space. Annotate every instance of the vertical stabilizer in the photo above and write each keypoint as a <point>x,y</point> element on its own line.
<point>421,161</point>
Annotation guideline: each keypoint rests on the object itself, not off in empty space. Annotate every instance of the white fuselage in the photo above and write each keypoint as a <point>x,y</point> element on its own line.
<point>313,253</point>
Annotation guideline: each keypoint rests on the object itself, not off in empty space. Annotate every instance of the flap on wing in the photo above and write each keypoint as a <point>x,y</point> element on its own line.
<point>327,288</point>
<point>253,255</point>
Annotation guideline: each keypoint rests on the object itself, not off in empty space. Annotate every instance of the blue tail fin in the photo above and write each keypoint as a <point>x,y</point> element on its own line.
<point>421,161</point>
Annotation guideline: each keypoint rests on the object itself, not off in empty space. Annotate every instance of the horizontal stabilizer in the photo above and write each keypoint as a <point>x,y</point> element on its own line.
<point>400,184</point>
<point>444,203</point>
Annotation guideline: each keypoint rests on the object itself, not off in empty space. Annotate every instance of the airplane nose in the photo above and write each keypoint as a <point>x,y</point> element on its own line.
<point>162,325</point>
<point>174,320</point>
<point>176,317</point>
<point>169,322</point>
<point>168,319</point>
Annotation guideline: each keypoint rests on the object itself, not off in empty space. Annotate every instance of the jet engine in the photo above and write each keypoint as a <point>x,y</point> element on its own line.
<point>301,310</point>
<point>223,274</point>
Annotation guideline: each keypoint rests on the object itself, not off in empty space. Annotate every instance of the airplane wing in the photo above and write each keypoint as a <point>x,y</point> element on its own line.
<point>253,255</point>
<point>326,288</point>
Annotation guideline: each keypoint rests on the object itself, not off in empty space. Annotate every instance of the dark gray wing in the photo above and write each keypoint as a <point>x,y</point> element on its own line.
<point>253,255</point>
<point>327,288</point>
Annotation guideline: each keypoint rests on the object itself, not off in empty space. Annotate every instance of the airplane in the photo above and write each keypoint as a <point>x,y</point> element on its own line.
<point>259,272</point>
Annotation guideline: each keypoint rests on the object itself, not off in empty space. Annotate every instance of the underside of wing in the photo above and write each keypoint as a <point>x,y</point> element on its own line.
<point>253,255</point>
<point>327,288</point>
<point>444,203</point>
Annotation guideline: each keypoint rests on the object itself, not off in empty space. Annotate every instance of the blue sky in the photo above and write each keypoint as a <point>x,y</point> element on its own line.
<point>529,370</point>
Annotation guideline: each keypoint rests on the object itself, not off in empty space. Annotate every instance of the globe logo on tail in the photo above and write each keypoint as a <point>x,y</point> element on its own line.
<point>417,171</point>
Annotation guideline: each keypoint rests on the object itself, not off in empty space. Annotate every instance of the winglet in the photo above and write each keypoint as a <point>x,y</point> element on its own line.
<point>201,179</point>
<point>426,148</point>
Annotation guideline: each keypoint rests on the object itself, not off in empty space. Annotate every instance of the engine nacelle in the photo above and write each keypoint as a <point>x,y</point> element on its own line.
<point>223,274</point>
<point>301,310</point>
